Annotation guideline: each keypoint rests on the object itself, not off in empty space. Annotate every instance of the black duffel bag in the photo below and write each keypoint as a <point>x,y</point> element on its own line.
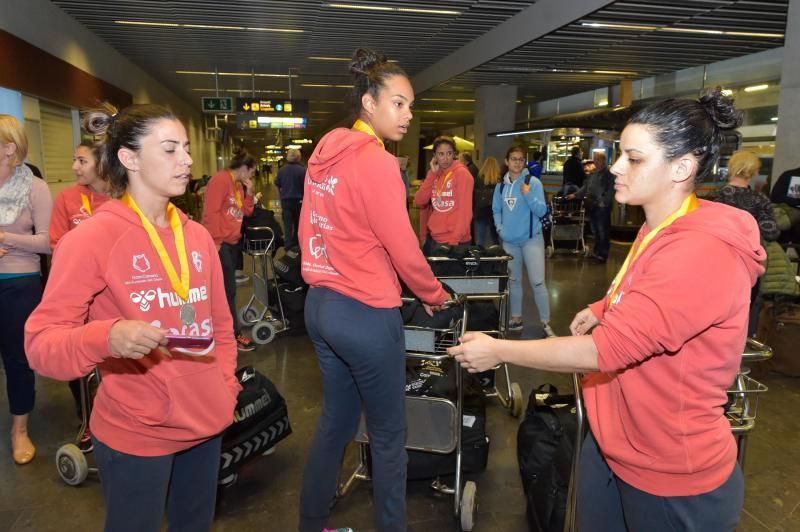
<point>262,217</point>
<point>261,420</point>
<point>289,267</point>
<point>545,450</point>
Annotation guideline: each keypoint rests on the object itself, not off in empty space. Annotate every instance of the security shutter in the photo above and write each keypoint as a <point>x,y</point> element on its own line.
<point>57,142</point>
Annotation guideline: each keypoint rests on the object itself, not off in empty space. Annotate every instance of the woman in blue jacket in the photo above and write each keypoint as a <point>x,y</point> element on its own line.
<point>517,205</point>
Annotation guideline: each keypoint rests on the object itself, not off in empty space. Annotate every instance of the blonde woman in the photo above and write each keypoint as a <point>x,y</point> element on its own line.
<point>25,209</point>
<point>488,176</point>
<point>742,167</point>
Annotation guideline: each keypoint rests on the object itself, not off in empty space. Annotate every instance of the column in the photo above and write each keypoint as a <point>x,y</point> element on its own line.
<point>787,156</point>
<point>409,147</point>
<point>495,110</point>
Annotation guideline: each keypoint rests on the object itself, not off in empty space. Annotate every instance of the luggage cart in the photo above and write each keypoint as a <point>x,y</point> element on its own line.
<point>434,423</point>
<point>569,217</point>
<point>257,313</point>
<point>486,279</point>
<point>743,396</point>
<point>73,468</point>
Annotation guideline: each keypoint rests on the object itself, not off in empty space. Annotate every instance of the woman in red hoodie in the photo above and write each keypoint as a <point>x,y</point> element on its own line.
<point>126,281</point>
<point>355,239</point>
<point>664,344</point>
<point>447,191</point>
<point>74,205</point>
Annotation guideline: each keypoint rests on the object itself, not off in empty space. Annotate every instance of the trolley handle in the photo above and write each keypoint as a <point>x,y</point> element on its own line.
<point>454,302</point>
<point>264,228</point>
<point>755,351</point>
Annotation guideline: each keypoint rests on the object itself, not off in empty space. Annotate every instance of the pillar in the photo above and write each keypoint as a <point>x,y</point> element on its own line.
<point>409,147</point>
<point>495,110</point>
<point>787,156</point>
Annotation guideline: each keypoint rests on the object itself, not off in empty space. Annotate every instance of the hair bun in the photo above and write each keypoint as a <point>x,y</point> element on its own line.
<point>721,109</point>
<point>364,59</point>
<point>97,121</point>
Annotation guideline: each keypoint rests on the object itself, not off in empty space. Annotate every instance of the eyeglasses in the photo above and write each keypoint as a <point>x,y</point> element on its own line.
<point>517,160</point>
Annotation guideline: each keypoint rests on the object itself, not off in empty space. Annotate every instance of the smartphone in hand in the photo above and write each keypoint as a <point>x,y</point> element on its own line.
<point>528,179</point>
<point>192,342</point>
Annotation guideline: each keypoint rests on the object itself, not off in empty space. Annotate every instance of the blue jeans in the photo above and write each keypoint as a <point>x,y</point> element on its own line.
<point>18,297</point>
<point>136,489</point>
<point>361,352</point>
<point>608,504</point>
<point>531,252</point>
<point>600,222</point>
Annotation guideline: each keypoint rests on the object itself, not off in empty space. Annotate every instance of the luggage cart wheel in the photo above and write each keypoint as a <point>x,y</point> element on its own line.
<point>517,401</point>
<point>469,504</point>
<point>263,332</point>
<point>248,316</point>
<point>71,464</point>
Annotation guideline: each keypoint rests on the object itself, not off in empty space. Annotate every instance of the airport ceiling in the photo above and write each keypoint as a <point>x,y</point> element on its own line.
<point>310,41</point>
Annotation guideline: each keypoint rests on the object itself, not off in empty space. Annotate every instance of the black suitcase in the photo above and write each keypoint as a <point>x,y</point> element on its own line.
<point>474,449</point>
<point>261,420</point>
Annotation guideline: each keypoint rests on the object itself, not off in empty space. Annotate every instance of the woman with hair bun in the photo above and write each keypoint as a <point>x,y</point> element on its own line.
<point>356,239</point>
<point>662,347</point>
<point>74,205</point>
<point>229,198</point>
<point>25,208</point>
<point>127,281</point>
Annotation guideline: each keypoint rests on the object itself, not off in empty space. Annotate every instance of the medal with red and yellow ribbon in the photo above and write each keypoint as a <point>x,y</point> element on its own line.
<point>179,283</point>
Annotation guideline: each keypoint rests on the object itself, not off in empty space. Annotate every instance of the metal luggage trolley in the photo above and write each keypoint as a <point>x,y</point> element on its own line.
<point>434,423</point>
<point>73,468</point>
<point>743,396</point>
<point>477,285</point>
<point>569,216</point>
<point>258,243</point>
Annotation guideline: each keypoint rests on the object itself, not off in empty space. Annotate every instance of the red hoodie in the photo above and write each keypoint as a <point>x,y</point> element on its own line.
<point>68,210</point>
<point>108,270</point>
<point>670,348</point>
<point>221,214</point>
<point>354,228</point>
<point>449,192</point>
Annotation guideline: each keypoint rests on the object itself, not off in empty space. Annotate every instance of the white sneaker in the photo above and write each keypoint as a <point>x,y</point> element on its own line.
<point>548,331</point>
<point>515,324</point>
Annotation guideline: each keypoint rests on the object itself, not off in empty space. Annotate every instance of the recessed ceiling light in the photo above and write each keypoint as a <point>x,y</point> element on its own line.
<point>325,85</point>
<point>323,58</point>
<point>328,58</point>
<point>397,9</point>
<point>774,118</point>
<point>139,23</point>
<point>204,26</point>
<point>243,91</point>
<point>755,88</point>
<point>617,26</point>
<point>727,92</point>
<point>521,132</point>
<point>245,74</point>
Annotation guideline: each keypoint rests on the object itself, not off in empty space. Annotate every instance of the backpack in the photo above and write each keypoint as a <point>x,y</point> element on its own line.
<point>545,450</point>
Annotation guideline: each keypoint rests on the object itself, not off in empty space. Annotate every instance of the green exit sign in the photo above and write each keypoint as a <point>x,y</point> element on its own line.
<point>213,104</point>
